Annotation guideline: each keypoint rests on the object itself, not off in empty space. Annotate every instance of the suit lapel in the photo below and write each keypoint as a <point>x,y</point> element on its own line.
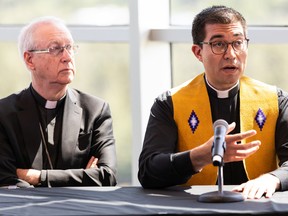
<point>29,123</point>
<point>70,128</point>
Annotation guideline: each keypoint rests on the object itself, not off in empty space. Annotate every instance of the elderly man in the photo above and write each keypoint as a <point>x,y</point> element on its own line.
<point>52,135</point>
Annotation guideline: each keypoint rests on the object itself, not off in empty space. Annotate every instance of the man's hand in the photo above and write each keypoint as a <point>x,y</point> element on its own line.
<point>201,155</point>
<point>31,176</point>
<point>92,163</point>
<point>266,185</point>
<point>238,152</point>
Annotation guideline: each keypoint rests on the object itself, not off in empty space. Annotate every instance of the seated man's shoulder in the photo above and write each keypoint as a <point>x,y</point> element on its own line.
<point>13,99</point>
<point>86,100</point>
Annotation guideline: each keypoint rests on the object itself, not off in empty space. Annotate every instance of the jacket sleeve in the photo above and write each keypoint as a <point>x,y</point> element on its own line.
<point>102,147</point>
<point>159,164</point>
<point>281,140</point>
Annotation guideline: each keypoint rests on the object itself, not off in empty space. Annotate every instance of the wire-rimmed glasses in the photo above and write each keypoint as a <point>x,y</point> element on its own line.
<point>56,50</point>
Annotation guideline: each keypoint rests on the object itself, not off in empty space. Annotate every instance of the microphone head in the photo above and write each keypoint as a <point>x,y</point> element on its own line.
<point>220,122</point>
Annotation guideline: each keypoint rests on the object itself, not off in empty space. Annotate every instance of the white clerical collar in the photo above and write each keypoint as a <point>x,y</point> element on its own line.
<point>224,93</point>
<point>50,104</point>
<point>53,104</point>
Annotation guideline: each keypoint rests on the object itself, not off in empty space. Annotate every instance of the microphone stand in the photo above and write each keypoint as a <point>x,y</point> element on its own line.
<point>220,196</point>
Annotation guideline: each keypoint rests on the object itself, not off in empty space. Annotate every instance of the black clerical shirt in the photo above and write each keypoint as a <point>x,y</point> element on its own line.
<point>160,165</point>
<point>51,117</point>
<point>227,108</point>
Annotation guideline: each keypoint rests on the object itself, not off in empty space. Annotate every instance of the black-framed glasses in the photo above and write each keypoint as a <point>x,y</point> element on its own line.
<point>56,50</point>
<point>220,47</point>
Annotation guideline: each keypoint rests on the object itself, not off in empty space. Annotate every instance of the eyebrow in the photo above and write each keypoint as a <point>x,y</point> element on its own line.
<point>58,43</point>
<point>222,36</point>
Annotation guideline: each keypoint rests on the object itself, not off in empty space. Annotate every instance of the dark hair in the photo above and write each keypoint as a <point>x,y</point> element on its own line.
<point>215,15</point>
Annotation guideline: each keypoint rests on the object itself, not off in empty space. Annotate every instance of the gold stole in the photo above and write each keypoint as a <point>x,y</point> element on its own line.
<point>191,101</point>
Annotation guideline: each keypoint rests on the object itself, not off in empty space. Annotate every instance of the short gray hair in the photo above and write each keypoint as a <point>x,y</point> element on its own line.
<point>26,40</point>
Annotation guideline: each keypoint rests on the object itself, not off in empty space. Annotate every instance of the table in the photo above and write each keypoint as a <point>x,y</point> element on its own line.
<point>130,201</point>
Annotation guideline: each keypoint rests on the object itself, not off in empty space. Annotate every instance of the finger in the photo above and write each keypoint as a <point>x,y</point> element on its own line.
<point>247,149</point>
<point>239,152</point>
<point>247,189</point>
<point>231,127</point>
<point>240,136</point>
<point>253,144</point>
<point>90,162</point>
<point>269,193</point>
<point>94,164</point>
<point>260,192</point>
<point>239,188</point>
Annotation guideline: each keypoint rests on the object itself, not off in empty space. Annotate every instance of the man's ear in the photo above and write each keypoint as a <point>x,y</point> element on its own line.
<point>28,60</point>
<point>197,51</point>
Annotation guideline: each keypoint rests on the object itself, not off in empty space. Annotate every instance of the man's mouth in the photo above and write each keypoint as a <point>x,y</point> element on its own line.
<point>66,69</point>
<point>230,68</point>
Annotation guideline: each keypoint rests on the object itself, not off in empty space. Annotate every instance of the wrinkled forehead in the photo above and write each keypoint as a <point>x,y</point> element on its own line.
<point>49,32</point>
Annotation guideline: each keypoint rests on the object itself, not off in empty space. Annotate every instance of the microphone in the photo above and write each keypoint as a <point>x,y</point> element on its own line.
<point>219,145</point>
<point>218,148</point>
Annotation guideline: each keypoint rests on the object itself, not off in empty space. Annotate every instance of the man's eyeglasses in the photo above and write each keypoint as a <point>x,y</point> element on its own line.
<point>220,47</point>
<point>56,50</point>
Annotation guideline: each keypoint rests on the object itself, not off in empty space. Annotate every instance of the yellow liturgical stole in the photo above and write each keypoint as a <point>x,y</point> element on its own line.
<point>258,111</point>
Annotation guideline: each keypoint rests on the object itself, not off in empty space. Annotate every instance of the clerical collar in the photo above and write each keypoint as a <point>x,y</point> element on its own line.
<point>226,93</point>
<point>51,104</point>
<point>46,103</point>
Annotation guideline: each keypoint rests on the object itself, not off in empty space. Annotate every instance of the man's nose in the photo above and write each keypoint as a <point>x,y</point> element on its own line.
<point>66,55</point>
<point>230,52</point>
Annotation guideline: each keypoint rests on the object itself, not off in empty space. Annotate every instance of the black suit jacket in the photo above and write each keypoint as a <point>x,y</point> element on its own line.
<point>86,131</point>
